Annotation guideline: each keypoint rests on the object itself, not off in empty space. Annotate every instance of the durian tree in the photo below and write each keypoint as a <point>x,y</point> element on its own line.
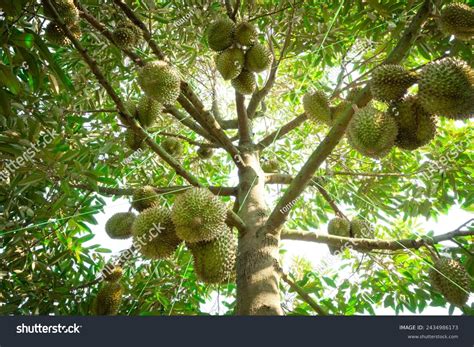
<point>232,127</point>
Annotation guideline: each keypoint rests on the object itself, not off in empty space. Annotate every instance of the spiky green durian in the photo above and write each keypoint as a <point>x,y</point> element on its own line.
<point>214,261</point>
<point>316,107</point>
<point>154,233</point>
<point>245,34</point>
<point>112,273</point>
<point>205,152</point>
<point>108,299</point>
<point>220,34</point>
<point>446,88</point>
<point>66,10</point>
<point>134,141</point>
<point>361,229</point>
<point>144,198</point>
<point>127,35</point>
<point>245,83</point>
<point>131,107</point>
<point>55,34</point>
<point>119,226</point>
<point>230,63</point>
<point>270,165</point>
<point>416,127</point>
<point>372,132</point>
<point>451,279</point>
<point>198,215</point>
<point>258,58</point>
<point>160,81</point>
<point>172,146</point>
<point>148,110</point>
<point>390,82</point>
<point>458,19</point>
<point>338,110</point>
<point>338,227</point>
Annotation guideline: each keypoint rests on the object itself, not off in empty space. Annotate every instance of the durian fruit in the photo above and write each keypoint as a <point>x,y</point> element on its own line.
<point>144,198</point>
<point>316,107</point>
<point>451,279</point>
<point>119,226</point>
<point>160,81</point>
<point>154,233</point>
<point>271,165</point>
<point>446,88</point>
<point>55,34</point>
<point>245,83</point>
<point>198,215</point>
<point>66,10</point>
<point>112,273</point>
<point>230,63</point>
<point>131,107</point>
<point>245,34</point>
<point>148,110</point>
<point>220,34</point>
<point>338,110</point>
<point>214,261</point>
<point>361,229</point>
<point>127,35</point>
<point>390,82</point>
<point>133,140</point>
<point>338,227</point>
<point>372,132</point>
<point>205,152</point>
<point>458,19</point>
<point>416,127</point>
<point>172,146</point>
<point>258,58</point>
<point>108,299</point>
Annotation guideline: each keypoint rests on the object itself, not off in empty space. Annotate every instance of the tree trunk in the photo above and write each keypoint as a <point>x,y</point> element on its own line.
<point>257,280</point>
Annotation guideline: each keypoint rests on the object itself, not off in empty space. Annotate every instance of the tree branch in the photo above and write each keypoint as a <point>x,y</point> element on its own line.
<point>367,245</point>
<point>280,214</point>
<point>108,191</point>
<point>244,124</point>
<point>305,296</point>
<point>285,129</point>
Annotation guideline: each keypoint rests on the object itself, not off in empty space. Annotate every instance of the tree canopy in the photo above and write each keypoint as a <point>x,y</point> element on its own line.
<point>70,143</point>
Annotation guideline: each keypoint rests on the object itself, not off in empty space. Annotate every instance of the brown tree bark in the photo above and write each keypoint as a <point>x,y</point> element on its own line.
<point>257,280</point>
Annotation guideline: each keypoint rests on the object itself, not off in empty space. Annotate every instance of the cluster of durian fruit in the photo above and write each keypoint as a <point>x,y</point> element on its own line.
<point>447,276</point>
<point>240,54</point>
<point>445,88</point>
<point>197,218</point>
<point>160,83</point>
<point>69,14</point>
